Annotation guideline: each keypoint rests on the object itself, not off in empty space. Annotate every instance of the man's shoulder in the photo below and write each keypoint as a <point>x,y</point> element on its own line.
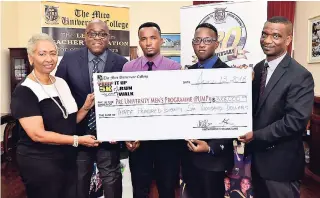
<point>171,63</point>
<point>75,53</point>
<point>132,62</point>
<point>167,59</point>
<point>297,69</point>
<point>222,64</point>
<point>194,66</point>
<point>296,65</point>
<point>258,65</point>
<point>117,56</point>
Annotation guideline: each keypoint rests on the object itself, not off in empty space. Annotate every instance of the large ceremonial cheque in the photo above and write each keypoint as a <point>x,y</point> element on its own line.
<point>183,104</point>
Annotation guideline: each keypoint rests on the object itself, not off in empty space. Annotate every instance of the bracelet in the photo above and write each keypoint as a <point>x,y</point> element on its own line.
<point>75,141</point>
<point>86,109</point>
<point>209,149</point>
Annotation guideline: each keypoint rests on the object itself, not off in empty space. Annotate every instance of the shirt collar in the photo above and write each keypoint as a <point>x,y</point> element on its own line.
<point>274,63</point>
<point>103,56</point>
<point>209,63</point>
<point>156,61</point>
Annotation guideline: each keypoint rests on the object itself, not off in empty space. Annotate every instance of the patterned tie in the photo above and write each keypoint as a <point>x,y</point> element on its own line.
<point>150,64</point>
<point>92,116</point>
<point>263,80</point>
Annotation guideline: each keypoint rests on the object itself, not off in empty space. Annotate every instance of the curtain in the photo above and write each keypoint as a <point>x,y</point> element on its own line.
<point>282,8</point>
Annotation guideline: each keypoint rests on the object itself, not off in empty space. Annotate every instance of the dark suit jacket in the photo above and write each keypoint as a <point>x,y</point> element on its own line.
<point>280,117</point>
<point>74,69</point>
<point>222,159</point>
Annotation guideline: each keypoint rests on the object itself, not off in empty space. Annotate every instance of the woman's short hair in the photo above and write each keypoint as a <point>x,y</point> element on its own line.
<point>38,37</point>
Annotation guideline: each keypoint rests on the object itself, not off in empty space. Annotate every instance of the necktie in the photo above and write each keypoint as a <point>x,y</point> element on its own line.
<point>263,79</point>
<point>150,64</point>
<point>92,115</point>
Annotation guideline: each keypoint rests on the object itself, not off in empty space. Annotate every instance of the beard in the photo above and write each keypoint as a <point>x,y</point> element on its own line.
<point>150,55</point>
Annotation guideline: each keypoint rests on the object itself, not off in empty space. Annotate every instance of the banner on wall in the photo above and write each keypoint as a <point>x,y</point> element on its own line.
<point>239,31</point>
<point>66,23</point>
<point>239,34</point>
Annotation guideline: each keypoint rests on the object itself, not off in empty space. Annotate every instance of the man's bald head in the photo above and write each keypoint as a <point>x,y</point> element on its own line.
<point>97,22</point>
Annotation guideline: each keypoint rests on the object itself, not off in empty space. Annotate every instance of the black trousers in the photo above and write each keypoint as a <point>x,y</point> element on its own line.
<point>50,178</point>
<point>107,157</point>
<point>263,188</point>
<point>159,160</point>
<point>203,183</point>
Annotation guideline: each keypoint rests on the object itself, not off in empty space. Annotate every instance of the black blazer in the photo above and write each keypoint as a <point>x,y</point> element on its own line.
<point>280,118</point>
<point>223,158</point>
<point>73,68</point>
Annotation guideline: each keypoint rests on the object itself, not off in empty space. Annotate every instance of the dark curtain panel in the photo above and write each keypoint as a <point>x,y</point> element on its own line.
<point>282,8</point>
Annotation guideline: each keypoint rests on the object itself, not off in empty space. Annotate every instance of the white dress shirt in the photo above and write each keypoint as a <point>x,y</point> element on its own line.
<point>273,65</point>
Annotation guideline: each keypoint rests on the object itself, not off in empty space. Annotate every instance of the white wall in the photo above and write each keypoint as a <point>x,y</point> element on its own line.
<point>304,11</point>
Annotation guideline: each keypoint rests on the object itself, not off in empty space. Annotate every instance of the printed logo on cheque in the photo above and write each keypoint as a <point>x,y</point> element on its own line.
<point>232,34</point>
<point>104,86</point>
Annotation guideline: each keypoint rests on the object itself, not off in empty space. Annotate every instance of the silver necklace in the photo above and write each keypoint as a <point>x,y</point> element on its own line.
<point>65,114</point>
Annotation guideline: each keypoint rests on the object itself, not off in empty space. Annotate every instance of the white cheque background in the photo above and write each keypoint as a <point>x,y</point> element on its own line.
<point>227,117</point>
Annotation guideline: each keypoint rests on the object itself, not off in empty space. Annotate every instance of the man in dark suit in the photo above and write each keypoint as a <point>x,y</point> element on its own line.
<point>283,92</point>
<point>204,165</point>
<point>77,67</point>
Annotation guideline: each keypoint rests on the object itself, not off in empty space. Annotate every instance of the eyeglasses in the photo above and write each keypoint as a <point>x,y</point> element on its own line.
<point>100,34</point>
<point>206,40</point>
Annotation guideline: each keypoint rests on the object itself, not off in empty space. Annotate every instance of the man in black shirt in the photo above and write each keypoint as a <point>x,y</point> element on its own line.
<point>205,163</point>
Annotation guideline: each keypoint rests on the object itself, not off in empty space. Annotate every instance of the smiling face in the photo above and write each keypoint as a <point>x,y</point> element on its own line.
<point>227,183</point>
<point>97,37</point>
<point>44,57</point>
<point>202,50</point>
<point>245,185</point>
<point>275,39</point>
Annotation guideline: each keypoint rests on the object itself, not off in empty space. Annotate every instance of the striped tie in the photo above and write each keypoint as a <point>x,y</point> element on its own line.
<point>264,75</point>
<point>92,116</point>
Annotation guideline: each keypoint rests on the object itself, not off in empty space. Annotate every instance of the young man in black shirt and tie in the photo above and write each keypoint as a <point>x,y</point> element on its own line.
<point>204,165</point>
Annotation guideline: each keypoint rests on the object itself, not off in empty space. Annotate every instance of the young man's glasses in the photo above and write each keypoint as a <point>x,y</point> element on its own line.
<point>95,34</point>
<point>206,40</point>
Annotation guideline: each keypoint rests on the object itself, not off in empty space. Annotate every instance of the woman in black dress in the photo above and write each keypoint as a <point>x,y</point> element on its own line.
<point>48,113</point>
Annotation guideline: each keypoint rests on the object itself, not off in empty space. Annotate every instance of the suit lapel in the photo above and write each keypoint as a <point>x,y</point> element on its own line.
<point>83,62</point>
<point>256,86</point>
<point>217,64</point>
<point>277,74</point>
<point>110,63</point>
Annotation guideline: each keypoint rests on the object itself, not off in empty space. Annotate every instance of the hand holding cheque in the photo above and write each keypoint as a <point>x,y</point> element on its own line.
<point>182,104</point>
